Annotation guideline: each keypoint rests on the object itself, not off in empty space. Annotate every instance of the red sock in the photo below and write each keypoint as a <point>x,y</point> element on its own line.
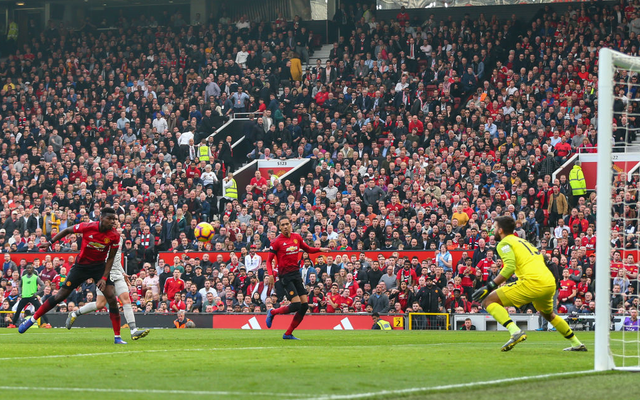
<point>281,310</point>
<point>45,308</point>
<point>115,322</point>
<point>297,318</point>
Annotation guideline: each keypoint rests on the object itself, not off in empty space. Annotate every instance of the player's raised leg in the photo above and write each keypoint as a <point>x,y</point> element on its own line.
<point>86,309</point>
<point>48,305</point>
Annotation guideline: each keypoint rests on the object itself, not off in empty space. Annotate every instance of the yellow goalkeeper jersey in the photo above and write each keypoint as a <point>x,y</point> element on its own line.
<point>523,259</point>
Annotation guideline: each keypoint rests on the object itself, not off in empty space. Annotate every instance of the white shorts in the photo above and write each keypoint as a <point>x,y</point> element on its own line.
<point>119,283</point>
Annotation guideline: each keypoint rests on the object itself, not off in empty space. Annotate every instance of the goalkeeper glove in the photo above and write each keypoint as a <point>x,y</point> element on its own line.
<point>484,291</point>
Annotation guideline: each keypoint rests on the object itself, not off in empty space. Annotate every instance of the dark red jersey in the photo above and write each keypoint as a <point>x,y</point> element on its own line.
<point>95,244</point>
<point>286,250</point>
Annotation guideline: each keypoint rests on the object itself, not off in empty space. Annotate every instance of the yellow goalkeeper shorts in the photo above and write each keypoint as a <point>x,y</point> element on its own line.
<point>522,292</point>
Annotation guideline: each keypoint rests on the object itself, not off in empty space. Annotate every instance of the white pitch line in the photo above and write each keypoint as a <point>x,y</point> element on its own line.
<point>96,354</point>
<point>187,350</point>
<point>147,391</point>
<point>427,389</point>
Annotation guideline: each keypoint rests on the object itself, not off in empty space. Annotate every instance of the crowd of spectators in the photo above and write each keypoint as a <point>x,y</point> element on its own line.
<point>420,133</point>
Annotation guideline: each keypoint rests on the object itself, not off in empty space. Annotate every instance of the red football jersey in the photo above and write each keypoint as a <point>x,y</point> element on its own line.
<point>286,250</point>
<point>566,288</point>
<point>95,244</point>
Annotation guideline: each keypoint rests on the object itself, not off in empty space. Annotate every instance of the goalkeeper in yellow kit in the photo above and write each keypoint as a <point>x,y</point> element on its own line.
<point>535,285</point>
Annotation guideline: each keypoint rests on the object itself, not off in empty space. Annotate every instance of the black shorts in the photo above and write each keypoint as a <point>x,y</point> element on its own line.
<point>80,273</point>
<point>293,285</point>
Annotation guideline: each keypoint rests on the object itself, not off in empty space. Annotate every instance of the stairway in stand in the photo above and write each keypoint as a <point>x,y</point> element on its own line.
<point>321,54</point>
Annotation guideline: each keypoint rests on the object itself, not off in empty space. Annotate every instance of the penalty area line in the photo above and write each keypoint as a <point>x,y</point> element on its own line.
<point>190,350</point>
<point>147,391</point>
<point>427,389</point>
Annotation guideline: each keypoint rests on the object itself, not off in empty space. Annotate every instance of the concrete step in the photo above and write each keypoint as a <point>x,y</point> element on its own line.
<point>321,54</point>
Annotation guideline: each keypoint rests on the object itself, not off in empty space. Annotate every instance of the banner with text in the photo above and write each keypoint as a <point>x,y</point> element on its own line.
<point>279,167</point>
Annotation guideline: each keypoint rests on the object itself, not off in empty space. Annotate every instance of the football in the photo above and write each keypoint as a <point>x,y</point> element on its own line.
<point>204,232</point>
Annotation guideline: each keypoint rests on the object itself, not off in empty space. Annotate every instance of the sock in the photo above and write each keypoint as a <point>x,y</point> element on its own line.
<point>43,309</point>
<point>563,328</point>
<point>297,318</point>
<point>128,315</point>
<point>281,310</point>
<point>502,316</point>
<point>115,322</point>
<point>87,308</point>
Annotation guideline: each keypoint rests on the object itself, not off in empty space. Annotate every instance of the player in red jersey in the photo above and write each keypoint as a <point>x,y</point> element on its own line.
<point>100,242</point>
<point>286,248</point>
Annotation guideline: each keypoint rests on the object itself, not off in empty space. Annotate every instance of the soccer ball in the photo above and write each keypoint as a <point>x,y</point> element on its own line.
<point>204,232</point>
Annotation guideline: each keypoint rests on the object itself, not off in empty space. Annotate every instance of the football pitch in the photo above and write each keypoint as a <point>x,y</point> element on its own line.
<point>244,364</point>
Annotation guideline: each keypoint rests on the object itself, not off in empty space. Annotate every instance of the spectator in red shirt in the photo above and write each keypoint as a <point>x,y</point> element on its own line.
<point>417,125</point>
<point>568,290</point>
<point>485,264</point>
<point>403,295</point>
<point>407,274</point>
<point>563,150</point>
<point>402,16</point>
<point>174,284</point>
<point>589,240</point>
<point>352,285</point>
<point>257,182</point>
<point>468,274</point>
<point>48,273</point>
<point>333,299</point>
<point>177,304</point>
<point>345,299</point>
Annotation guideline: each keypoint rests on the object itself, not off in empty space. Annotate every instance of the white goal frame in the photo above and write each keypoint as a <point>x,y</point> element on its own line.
<point>608,60</point>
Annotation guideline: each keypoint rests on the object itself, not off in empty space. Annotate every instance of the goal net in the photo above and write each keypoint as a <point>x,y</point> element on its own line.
<point>618,157</point>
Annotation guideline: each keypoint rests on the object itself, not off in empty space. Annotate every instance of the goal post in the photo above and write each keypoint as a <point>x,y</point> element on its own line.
<point>603,359</point>
<point>618,102</point>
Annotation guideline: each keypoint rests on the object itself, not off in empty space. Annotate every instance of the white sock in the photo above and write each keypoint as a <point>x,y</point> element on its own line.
<point>87,308</point>
<point>128,315</point>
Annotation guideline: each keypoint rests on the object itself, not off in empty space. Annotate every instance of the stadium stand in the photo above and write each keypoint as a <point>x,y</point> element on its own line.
<point>420,133</point>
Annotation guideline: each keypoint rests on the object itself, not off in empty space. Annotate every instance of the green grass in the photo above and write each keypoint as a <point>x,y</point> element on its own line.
<point>259,364</point>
